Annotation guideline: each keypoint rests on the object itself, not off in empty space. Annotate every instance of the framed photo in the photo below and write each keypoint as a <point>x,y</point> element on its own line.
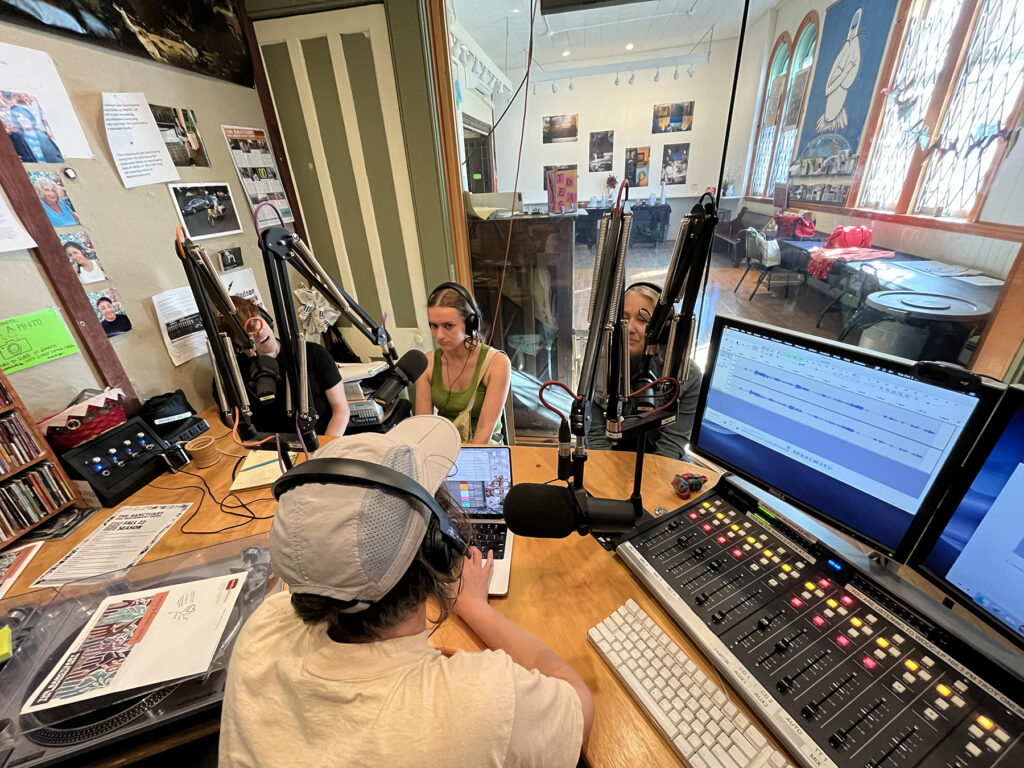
<point>205,210</point>
<point>602,144</point>
<point>230,258</point>
<point>638,161</point>
<point>671,118</point>
<point>674,162</point>
<point>560,128</point>
<point>79,249</point>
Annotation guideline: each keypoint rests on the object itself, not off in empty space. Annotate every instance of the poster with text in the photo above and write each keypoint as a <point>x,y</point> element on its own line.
<point>139,152</point>
<point>29,78</point>
<point>638,161</point>
<point>853,41</point>
<point>242,283</point>
<point>257,170</point>
<point>181,325</point>
<point>34,338</point>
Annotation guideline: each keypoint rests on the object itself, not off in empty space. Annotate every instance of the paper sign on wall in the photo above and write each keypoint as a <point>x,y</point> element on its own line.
<point>34,338</point>
<point>139,151</point>
<point>13,236</point>
<point>31,73</point>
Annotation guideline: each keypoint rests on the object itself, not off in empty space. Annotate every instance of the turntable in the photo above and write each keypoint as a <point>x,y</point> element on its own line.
<point>43,631</point>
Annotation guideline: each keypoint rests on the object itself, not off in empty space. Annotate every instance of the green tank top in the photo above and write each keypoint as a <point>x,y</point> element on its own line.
<point>451,404</point>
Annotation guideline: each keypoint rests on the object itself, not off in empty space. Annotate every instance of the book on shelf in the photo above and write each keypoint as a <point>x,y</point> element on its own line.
<point>17,445</point>
<point>31,496</point>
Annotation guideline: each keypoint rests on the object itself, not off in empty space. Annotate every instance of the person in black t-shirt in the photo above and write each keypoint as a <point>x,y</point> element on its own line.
<point>326,389</point>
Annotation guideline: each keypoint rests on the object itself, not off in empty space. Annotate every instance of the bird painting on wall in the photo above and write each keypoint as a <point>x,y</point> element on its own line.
<point>840,78</point>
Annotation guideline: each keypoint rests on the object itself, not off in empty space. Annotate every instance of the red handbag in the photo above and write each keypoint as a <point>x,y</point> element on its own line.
<point>786,223</point>
<point>79,423</point>
<point>849,237</point>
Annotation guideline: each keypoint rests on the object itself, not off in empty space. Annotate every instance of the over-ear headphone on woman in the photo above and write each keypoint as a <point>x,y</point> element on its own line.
<point>442,545</point>
<point>473,318</point>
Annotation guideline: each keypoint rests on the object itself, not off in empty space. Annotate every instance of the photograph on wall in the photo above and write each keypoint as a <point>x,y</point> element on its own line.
<point>230,258</point>
<point>671,118</point>
<point>674,160</point>
<point>549,169</point>
<point>559,129</point>
<point>110,312</point>
<point>853,41</point>
<point>638,161</point>
<point>201,35</point>
<point>26,125</point>
<point>179,130</point>
<point>797,90</point>
<point>205,210</point>
<point>29,78</point>
<point>257,170</point>
<point>51,193</point>
<point>602,144</point>
<point>82,255</point>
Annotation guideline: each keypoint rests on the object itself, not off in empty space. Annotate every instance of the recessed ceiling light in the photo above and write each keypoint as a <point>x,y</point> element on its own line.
<point>566,53</point>
<point>514,10</point>
<point>629,46</point>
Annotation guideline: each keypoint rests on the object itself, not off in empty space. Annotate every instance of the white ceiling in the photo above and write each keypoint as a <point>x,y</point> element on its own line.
<point>658,29</point>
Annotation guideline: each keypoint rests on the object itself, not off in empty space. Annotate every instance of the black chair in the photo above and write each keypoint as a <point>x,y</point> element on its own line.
<point>863,316</point>
<point>755,260</point>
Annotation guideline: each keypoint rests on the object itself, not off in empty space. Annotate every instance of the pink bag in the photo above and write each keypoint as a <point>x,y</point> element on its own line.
<point>849,237</point>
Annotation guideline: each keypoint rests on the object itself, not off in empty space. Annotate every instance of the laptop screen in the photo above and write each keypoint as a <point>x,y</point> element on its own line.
<point>481,479</point>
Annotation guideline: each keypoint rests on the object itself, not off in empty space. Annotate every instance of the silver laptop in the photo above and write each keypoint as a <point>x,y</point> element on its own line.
<point>479,483</point>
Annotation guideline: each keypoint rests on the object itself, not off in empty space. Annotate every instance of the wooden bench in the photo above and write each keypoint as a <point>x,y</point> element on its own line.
<point>727,233</point>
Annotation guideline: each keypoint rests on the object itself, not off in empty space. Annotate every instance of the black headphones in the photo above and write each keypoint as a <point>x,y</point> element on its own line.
<point>644,284</point>
<point>473,318</point>
<point>442,545</point>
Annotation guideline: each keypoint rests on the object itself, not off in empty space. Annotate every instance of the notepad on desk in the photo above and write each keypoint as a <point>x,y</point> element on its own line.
<point>360,371</point>
<point>260,469</point>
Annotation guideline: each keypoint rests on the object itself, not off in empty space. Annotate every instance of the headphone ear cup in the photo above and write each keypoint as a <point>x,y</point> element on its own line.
<point>436,549</point>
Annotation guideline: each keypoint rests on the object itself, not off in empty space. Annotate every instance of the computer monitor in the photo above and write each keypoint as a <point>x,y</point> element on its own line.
<point>852,437</point>
<point>974,549</point>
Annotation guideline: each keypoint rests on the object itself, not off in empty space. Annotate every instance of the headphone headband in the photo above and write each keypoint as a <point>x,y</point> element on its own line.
<point>644,284</point>
<point>473,318</point>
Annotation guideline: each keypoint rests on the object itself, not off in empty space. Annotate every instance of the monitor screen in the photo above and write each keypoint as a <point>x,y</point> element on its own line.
<point>481,479</point>
<point>852,437</point>
<point>980,550</point>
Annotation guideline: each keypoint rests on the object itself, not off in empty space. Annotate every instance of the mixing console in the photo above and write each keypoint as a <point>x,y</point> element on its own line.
<point>844,672</point>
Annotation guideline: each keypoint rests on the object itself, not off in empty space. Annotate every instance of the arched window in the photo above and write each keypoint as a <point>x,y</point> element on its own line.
<point>774,90</point>
<point>796,98</point>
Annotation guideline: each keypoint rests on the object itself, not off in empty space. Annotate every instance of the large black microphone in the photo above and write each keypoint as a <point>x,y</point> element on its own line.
<point>409,367</point>
<point>553,512</point>
<point>264,373</point>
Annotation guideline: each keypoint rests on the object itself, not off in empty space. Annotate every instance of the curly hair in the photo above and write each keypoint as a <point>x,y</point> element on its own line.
<point>419,582</point>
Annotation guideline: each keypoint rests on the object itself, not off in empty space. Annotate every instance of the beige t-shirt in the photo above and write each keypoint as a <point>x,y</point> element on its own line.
<point>295,697</point>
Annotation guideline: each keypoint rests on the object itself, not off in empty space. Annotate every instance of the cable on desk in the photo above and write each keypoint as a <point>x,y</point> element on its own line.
<point>225,508</point>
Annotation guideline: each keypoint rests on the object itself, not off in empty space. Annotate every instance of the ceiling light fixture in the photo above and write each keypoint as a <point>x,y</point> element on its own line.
<point>554,87</point>
<point>675,75</point>
<point>616,78</point>
<point>632,78</point>
<point>689,70</point>
<point>657,74</point>
<point>566,53</point>
<point>572,87</point>
<point>629,46</point>
<point>534,89</point>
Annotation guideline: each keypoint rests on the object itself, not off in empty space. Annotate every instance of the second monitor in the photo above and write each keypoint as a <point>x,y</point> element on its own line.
<point>857,439</point>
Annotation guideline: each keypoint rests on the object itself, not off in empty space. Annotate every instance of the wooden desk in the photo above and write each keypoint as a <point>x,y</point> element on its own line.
<point>559,588</point>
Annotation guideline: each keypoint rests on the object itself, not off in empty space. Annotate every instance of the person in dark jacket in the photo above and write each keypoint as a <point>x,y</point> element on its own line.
<point>31,143</point>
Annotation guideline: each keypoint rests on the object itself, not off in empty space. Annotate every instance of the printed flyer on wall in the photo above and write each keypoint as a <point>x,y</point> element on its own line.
<point>140,639</point>
<point>257,170</point>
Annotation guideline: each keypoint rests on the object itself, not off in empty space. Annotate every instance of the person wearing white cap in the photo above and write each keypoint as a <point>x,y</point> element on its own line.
<point>338,671</point>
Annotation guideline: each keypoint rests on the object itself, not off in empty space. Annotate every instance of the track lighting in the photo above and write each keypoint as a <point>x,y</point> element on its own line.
<point>689,71</point>
<point>675,75</point>
<point>554,87</point>
<point>632,78</point>
<point>657,74</point>
<point>616,78</point>
<point>571,86</point>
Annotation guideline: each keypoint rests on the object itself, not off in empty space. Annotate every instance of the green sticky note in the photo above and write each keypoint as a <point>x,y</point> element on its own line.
<point>35,338</point>
<point>5,643</point>
<point>477,176</point>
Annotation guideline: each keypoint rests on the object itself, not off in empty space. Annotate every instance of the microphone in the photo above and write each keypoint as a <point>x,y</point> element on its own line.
<point>564,451</point>
<point>409,367</point>
<point>553,512</point>
<point>264,374</point>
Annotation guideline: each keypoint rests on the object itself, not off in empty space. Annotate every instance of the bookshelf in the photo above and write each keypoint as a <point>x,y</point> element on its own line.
<point>33,485</point>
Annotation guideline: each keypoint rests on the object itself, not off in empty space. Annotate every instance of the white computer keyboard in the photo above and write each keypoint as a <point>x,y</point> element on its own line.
<point>696,717</point>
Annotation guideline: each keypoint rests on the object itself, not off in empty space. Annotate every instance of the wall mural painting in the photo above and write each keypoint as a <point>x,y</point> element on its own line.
<point>853,41</point>
<point>201,35</point>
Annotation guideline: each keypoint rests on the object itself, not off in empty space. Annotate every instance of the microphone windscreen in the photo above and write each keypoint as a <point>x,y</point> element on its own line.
<point>540,511</point>
<point>413,363</point>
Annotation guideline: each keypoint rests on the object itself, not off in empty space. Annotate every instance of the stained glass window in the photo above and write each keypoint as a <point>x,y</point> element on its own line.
<point>979,113</point>
<point>770,117</point>
<point>792,114</point>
